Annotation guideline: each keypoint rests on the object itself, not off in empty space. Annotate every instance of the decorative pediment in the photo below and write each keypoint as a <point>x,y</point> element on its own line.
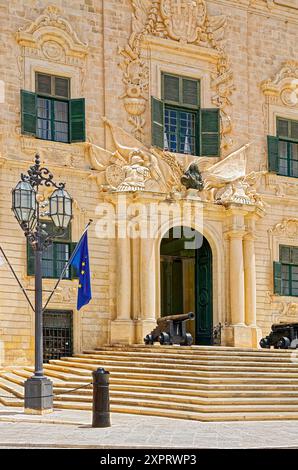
<point>284,86</point>
<point>53,36</point>
<point>188,22</point>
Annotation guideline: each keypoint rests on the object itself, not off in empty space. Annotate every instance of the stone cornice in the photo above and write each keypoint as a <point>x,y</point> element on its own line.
<point>266,8</point>
<point>195,51</point>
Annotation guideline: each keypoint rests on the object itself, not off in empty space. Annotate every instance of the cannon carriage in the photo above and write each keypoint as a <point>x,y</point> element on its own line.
<point>282,336</point>
<point>171,330</point>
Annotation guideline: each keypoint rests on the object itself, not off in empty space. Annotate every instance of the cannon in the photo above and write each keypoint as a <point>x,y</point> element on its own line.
<point>171,330</point>
<point>282,336</point>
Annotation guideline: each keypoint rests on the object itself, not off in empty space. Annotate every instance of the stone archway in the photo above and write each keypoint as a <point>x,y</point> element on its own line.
<point>186,280</point>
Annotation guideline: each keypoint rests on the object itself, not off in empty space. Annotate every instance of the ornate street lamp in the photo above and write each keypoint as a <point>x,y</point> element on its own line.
<point>28,212</point>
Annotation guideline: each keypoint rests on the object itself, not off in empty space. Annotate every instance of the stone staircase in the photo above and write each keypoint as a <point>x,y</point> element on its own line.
<point>198,383</point>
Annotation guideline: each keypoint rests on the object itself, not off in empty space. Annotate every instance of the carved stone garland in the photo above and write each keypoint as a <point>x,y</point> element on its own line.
<point>184,21</point>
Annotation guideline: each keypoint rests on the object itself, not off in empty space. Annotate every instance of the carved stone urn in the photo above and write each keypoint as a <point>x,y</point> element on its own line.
<point>135,106</point>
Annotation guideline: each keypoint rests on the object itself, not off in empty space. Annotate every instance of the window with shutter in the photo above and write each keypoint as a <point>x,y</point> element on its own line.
<point>77,120</point>
<point>283,149</point>
<point>28,112</point>
<point>286,271</point>
<point>210,132</point>
<point>54,257</point>
<point>177,119</point>
<point>50,114</point>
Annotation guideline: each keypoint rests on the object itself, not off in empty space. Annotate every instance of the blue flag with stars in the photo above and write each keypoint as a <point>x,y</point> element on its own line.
<point>80,261</point>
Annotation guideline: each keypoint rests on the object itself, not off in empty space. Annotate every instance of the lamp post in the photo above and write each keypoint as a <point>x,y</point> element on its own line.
<point>30,213</point>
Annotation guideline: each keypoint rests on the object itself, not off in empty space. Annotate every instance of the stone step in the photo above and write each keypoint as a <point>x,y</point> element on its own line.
<point>189,365</point>
<point>195,350</point>
<point>212,378</point>
<point>185,359</point>
<point>208,417</point>
<point>146,391</point>
<point>191,405</point>
<point>257,355</point>
<point>69,362</point>
<point>168,387</point>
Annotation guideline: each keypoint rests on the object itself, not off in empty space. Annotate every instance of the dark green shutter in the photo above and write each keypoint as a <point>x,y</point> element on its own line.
<point>73,271</point>
<point>210,132</point>
<point>157,118</point>
<point>28,112</point>
<point>77,120</point>
<point>277,277</point>
<point>273,153</point>
<point>190,92</point>
<point>30,260</point>
<point>171,88</point>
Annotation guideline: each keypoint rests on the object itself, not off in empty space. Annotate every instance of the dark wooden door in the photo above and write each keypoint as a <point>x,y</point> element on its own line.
<point>204,296</point>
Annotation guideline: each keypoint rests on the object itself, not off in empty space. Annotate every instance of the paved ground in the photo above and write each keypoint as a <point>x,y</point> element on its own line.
<point>132,431</point>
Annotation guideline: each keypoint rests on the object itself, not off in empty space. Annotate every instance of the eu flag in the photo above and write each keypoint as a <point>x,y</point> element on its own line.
<point>80,261</point>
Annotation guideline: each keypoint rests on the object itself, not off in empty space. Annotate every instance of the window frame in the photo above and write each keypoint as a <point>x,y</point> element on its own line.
<point>289,141</point>
<point>290,267</point>
<point>52,119</point>
<point>53,79</point>
<point>182,107</point>
<point>181,103</point>
<point>195,112</point>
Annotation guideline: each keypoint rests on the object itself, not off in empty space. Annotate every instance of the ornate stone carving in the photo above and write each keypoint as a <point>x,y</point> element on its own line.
<point>226,182</point>
<point>281,189</point>
<point>52,38</point>
<point>186,21</point>
<point>192,178</point>
<point>287,228</point>
<point>283,86</point>
<point>134,167</point>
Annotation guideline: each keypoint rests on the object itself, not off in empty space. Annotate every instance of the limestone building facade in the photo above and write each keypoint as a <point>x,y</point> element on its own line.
<point>157,114</point>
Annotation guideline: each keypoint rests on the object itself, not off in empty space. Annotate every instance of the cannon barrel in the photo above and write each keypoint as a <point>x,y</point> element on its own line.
<point>180,317</point>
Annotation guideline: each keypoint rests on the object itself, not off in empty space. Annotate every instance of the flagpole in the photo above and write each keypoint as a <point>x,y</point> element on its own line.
<point>67,266</point>
<point>16,278</point>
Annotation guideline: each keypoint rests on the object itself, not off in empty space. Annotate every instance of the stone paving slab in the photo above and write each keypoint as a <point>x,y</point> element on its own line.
<point>130,431</point>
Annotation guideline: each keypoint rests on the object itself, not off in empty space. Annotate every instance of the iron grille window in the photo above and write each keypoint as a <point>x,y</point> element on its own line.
<point>57,334</point>
<point>289,270</point>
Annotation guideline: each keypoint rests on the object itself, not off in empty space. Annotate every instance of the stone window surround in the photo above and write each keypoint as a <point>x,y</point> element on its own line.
<point>276,111</point>
<point>275,240</point>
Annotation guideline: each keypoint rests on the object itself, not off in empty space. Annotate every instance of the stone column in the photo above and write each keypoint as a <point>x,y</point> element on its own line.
<point>250,280</point>
<point>122,328</point>
<point>237,295</point>
<point>148,280</point>
<point>123,279</point>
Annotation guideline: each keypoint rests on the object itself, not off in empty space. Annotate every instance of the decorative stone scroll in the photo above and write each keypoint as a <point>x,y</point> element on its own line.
<point>282,89</point>
<point>188,22</point>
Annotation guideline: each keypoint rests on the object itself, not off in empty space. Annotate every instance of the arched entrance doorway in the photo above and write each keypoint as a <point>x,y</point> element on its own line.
<point>186,280</point>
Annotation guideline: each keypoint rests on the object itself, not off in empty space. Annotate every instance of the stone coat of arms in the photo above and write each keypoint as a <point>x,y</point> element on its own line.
<point>183,18</point>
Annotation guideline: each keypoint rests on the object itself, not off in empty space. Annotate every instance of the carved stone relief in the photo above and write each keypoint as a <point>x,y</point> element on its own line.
<point>134,167</point>
<point>282,89</point>
<point>51,38</point>
<point>188,22</point>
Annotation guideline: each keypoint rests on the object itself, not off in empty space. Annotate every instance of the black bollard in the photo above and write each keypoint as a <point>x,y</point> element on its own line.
<point>101,399</point>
